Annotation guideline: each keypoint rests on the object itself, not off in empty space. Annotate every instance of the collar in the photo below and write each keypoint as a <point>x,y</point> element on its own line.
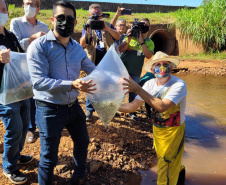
<point>147,38</point>
<point>51,37</point>
<point>6,33</point>
<point>24,19</point>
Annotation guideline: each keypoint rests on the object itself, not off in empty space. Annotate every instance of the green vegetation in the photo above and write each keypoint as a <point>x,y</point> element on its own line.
<point>205,24</point>
<point>206,56</point>
<point>82,16</point>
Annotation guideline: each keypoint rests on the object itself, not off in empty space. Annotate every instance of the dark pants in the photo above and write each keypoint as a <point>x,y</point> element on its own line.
<point>89,105</point>
<point>132,95</point>
<point>51,119</point>
<point>32,125</point>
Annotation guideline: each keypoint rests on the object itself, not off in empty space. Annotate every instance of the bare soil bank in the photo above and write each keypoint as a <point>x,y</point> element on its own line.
<point>206,67</point>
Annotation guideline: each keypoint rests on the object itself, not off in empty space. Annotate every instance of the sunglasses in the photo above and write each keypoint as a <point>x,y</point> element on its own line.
<point>62,18</point>
<point>164,64</point>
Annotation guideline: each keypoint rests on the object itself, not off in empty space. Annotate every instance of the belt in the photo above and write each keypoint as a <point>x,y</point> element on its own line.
<point>47,104</point>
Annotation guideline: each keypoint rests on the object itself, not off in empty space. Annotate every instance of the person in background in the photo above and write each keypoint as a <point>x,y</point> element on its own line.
<point>116,16</point>
<point>145,78</point>
<point>97,46</point>
<point>120,26</point>
<point>15,116</point>
<point>166,94</point>
<point>55,61</point>
<point>27,29</point>
<point>134,52</point>
<point>121,29</point>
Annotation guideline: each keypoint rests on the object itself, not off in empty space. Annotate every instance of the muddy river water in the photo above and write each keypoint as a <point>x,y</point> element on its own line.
<point>205,143</point>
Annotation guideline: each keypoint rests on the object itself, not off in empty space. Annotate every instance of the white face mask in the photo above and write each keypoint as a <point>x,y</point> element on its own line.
<point>3,19</point>
<point>29,11</point>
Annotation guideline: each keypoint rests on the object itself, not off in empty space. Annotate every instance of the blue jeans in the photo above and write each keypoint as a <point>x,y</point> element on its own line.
<point>89,105</point>
<point>16,119</point>
<point>132,95</point>
<point>32,125</point>
<point>51,120</point>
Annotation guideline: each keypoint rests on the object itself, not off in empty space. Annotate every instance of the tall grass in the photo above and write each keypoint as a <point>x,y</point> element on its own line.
<point>205,24</point>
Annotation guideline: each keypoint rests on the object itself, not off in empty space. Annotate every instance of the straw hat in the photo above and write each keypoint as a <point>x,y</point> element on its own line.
<point>160,56</point>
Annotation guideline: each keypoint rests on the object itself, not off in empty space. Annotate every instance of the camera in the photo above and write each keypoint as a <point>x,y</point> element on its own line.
<point>95,23</point>
<point>137,28</point>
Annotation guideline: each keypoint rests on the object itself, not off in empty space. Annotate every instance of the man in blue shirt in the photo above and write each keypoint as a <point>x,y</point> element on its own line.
<point>27,29</point>
<point>55,61</point>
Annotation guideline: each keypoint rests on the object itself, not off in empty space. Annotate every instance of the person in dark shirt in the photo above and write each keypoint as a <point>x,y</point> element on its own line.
<point>15,116</point>
<point>97,46</point>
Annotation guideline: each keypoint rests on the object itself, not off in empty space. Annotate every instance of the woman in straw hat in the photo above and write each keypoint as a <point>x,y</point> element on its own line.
<point>166,94</point>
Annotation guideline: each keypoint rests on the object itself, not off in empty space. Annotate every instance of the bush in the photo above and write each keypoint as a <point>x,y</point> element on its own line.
<point>206,24</point>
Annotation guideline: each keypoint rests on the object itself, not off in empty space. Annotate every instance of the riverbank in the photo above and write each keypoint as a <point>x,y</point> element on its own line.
<point>205,67</point>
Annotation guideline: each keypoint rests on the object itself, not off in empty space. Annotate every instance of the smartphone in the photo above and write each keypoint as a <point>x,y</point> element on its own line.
<point>105,15</point>
<point>126,12</point>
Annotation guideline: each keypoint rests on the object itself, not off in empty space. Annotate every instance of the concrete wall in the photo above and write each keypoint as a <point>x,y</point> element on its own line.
<point>106,7</point>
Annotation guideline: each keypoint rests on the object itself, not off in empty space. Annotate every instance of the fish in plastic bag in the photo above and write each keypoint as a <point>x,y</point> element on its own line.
<point>109,94</point>
<point>15,85</point>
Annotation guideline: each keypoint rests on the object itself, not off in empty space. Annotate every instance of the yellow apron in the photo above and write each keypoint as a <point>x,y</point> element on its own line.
<point>169,146</point>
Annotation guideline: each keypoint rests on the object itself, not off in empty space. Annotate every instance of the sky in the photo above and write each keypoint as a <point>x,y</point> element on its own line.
<point>193,3</point>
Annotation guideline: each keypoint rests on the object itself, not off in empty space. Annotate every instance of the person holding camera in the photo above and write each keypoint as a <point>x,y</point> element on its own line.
<point>136,46</point>
<point>97,37</point>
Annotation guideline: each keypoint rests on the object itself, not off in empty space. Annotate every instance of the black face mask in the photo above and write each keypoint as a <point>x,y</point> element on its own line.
<point>65,28</point>
<point>145,29</point>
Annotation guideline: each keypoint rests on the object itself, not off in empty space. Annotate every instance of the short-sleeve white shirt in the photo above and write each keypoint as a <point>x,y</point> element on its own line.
<point>177,93</point>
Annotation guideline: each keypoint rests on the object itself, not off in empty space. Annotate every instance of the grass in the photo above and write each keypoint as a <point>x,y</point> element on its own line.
<point>205,24</point>
<point>206,56</point>
<point>82,16</point>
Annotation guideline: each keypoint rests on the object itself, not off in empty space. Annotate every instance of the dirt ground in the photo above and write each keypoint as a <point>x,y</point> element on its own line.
<point>206,67</point>
<point>115,152</point>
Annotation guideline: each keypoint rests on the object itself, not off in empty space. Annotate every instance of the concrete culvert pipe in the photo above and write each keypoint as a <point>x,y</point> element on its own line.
<point>164,41</point>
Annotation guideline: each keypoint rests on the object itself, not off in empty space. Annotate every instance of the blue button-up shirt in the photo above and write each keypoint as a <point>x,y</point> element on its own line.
<point>23,29</point>
<point>53,68</point>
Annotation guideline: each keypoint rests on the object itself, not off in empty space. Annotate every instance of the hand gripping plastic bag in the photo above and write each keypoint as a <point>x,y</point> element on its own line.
<point>15,85</point>
<point>109,94</point>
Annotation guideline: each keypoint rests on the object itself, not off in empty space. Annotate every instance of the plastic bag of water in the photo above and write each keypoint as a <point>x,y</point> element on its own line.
<point>109,94</point>
<point>15,85</point>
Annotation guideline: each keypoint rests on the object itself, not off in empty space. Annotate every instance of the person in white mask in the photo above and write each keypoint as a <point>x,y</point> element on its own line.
<point>27,29</point>
<point>15,116</point>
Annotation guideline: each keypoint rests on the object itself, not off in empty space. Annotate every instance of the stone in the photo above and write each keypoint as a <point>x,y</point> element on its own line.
<point>94,166</point>
<point>62,166</point>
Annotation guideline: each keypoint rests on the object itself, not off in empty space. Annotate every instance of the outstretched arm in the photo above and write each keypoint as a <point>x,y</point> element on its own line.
<point>117,14</point>
<point>156,103</point>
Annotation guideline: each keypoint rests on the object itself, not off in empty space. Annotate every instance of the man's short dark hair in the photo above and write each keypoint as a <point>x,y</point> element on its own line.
<point>65,4</point>
<point>146,19</point>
